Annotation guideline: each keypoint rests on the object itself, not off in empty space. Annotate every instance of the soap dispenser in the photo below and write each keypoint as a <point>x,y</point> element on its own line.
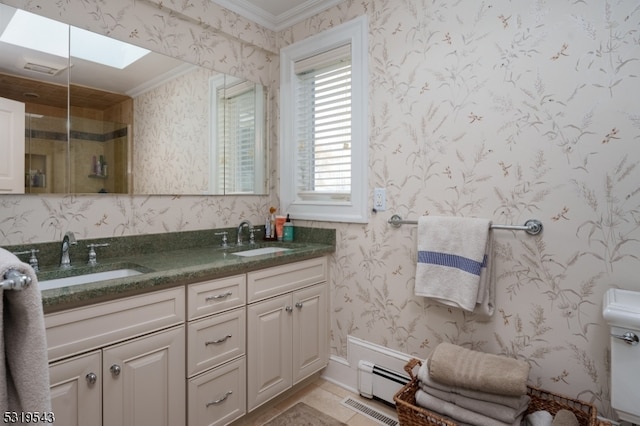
<point>287,230</point>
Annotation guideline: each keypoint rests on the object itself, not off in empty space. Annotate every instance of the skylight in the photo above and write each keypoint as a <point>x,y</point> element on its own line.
<point>46,35</point>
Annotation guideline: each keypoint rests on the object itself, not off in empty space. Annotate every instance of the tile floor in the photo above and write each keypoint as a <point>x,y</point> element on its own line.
<point>323,396</point>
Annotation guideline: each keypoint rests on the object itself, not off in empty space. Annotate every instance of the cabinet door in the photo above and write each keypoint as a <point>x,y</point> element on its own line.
<point>144,380</point>
<point>76,390</point>
<point>11,146</point>
<point>310,331</point>
<point>269,349</point>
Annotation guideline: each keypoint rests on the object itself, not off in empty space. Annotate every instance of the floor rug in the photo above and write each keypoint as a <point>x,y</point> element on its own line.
<point>303,415</point>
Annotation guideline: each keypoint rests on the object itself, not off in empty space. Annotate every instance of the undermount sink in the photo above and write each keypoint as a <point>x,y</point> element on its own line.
<point>260,251</point>
<point>88,278</point>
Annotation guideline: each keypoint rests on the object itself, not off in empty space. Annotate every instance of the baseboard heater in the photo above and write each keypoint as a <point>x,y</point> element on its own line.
<point>377,382</point>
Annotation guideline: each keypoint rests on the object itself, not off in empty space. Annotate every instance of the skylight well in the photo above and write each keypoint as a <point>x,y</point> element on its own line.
<point>48,36</point>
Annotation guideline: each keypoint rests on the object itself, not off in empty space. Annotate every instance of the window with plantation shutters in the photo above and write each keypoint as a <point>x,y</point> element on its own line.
<point>238,132</point>
<point>323,125</point>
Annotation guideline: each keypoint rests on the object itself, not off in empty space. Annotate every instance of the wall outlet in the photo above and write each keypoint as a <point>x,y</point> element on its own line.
<point>379,199</point>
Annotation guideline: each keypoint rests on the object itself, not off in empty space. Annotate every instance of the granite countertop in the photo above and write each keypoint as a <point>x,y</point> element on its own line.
<point>170,268</point>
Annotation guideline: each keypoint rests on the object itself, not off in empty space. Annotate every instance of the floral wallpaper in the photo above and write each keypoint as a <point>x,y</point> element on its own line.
<point>510,111</point>
<point>505,110</point>
<point>175,111</point>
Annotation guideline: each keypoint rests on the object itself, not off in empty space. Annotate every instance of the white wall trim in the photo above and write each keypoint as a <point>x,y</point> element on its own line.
<point>282,20</point>
<point>355,33</point>
<point>344,372</point>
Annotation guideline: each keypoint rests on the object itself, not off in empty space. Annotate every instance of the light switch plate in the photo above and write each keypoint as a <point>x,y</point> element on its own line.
<point>379,199</point>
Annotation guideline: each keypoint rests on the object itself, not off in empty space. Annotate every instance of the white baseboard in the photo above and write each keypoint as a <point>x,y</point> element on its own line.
<point>344,372</point>
<point>340,373</point>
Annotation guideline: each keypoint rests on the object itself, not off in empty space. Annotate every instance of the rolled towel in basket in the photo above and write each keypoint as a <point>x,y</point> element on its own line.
<point>509,401</point>
<point>457,366</point>
<point>460,414</point>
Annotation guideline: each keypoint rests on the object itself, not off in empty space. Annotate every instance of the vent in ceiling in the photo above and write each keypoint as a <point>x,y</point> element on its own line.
<point>42,69</point>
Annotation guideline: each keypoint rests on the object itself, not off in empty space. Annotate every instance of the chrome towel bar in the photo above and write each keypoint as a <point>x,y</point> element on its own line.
<point>14,280</point>
<point>531,226</point>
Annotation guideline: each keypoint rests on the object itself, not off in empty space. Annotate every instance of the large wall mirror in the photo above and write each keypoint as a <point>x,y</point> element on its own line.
<point>133,122</point>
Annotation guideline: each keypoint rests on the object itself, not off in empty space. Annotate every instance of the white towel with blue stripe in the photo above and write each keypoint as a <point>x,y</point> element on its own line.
<point>454,265</point>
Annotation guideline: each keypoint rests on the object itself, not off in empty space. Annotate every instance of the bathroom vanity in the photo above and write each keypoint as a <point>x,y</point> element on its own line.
<point>196,342</point>
<point>119,362</point>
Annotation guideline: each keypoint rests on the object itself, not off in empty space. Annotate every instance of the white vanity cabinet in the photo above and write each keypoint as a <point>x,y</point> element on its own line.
<point>287,327</point>
<point>201,354</point>
<point>216,351</point>
<point>120,362</point>
<point>76,394</point>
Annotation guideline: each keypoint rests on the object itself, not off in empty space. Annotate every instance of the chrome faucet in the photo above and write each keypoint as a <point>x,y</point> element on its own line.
<point>242,224</point>
<point>68,240</point>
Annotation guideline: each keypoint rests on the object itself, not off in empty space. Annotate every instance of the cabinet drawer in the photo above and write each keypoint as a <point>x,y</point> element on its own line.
<point>215,340</point>
<point>211,297</point>
<point>218,397</point>
<point>282,279</point>
<point>90,327</point>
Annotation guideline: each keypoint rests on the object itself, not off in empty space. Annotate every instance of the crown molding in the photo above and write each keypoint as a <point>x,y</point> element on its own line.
<point>281,21</point>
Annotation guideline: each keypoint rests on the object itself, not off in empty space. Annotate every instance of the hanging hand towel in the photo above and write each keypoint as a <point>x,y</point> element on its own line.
<point>454,262</point>
<point>24,370</point>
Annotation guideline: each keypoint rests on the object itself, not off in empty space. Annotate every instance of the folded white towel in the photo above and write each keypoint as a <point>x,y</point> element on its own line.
<point>24,370</point>
<point>454,262</point>
<point>507,400</point>
<point>490,409</point>
<point>460,414</point>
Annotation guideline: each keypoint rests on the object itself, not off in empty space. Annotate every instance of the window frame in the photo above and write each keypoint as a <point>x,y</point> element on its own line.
<point>217,180</point>
<point>355,33</point>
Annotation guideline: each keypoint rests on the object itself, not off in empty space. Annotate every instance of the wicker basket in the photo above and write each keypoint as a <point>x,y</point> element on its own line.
<point>411,415</point>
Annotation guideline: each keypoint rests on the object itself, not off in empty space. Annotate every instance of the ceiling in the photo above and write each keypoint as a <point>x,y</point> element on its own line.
<point>277,14</point>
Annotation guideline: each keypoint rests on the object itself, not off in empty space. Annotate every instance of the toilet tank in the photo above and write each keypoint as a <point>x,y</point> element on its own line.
<point>621,310</point>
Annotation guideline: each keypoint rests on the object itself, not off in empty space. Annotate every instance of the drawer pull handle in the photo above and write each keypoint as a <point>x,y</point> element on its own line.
<point>215,342</point>
<point>219,296</point>
<point>299,305</point>
<point>91,378</point>
<point>288,309</point>
<point>218,401</point>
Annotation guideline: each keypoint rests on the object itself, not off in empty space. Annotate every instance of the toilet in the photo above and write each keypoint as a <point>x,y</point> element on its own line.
<point>621,310</point>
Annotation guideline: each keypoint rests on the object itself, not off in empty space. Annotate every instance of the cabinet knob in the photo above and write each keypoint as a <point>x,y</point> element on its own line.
<point>299,305</point>
<point>115,369</point>
<point>91,378</point>
<point>288,309</point>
